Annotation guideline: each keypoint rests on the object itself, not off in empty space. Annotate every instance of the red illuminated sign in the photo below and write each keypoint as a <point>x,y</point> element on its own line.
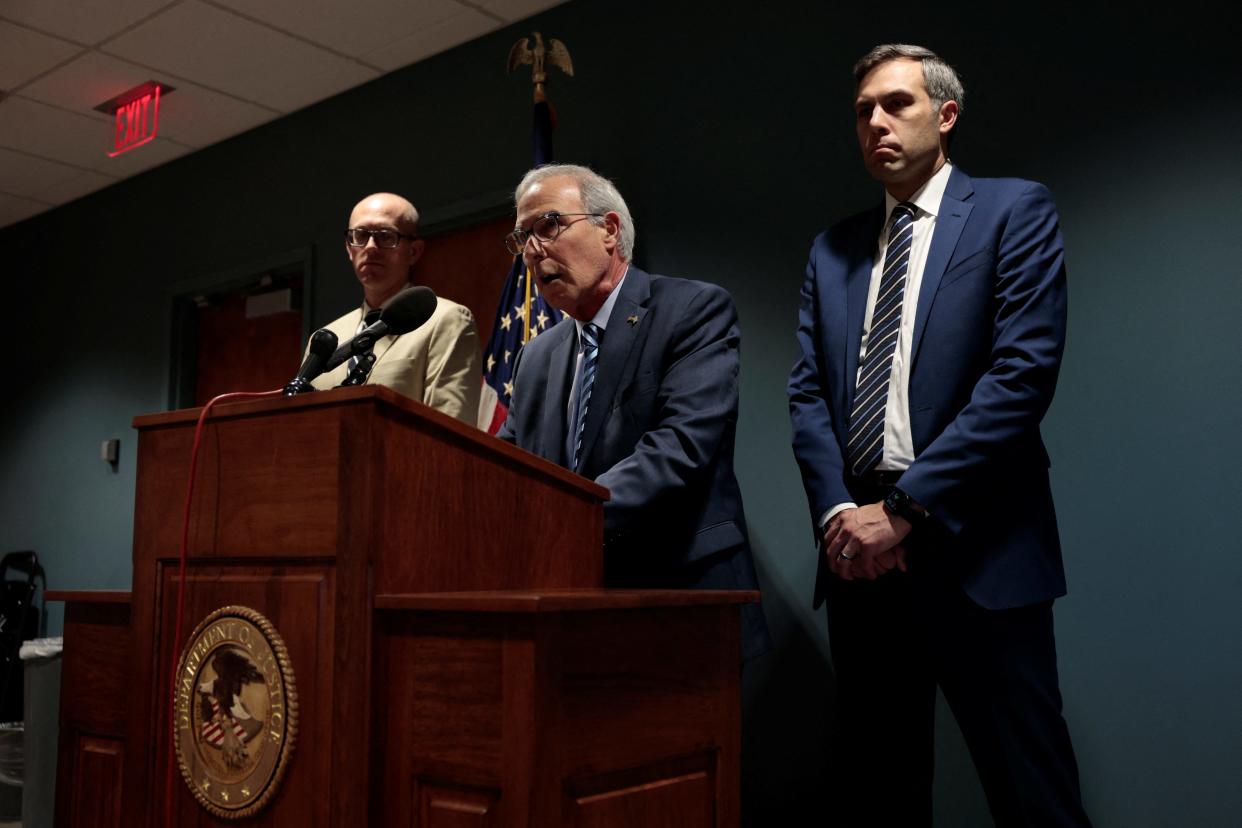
<point>137,116</point>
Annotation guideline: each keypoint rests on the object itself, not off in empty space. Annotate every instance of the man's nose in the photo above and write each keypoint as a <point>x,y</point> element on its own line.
<point>878,121</point>
<point>533,247</point>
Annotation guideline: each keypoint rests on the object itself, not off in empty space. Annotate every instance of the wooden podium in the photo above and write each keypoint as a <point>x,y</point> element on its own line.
<point>439,593</point>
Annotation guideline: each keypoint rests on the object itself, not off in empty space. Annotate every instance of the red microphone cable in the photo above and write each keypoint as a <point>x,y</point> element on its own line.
<point>185,545</point>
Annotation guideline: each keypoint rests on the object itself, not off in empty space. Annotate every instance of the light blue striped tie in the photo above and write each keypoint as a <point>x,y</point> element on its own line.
<point>590,359</point>
<point>866,443</point>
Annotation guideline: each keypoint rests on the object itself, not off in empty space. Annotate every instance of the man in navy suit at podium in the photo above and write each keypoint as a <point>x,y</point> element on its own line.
<point>636,389</point>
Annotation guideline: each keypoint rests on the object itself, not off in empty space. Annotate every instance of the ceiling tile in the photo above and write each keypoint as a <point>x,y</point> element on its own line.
<point>25,54</point>
<point>83,21</point>
<point>86,82</point>
<point>223,51</point>
<point>45,131</point>
<point>199,117</point>
<point>512,10</point>
<point>356,28</point>
<point>235,64</point>
<point>189,114</point>
<point>81,183</point>
<point>14,209</point>
<point>36,178</point>
<point>141,158</point>
<point>433,39</point>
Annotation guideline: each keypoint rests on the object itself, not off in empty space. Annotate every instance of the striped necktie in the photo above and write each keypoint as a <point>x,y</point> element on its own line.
<point>866,443</point>
<point>370,319</point>
<point>590,359</point>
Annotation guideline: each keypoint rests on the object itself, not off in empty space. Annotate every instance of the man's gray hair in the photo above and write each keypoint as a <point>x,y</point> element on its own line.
<point>939,77</point>
<point>599,195</point>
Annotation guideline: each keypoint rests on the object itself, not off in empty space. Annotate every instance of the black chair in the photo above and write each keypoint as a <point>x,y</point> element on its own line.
<point>19,621</point>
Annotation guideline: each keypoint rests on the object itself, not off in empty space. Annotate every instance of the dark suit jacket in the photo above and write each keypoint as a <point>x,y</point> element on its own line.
<point>659,434</point>
<point>988,338</point>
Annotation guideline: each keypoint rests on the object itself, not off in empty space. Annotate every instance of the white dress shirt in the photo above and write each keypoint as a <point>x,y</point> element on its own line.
<point>898,437</point>
<point>601,321</point>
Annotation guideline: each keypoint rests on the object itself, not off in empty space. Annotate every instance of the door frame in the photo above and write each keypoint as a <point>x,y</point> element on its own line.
<point>184,298</point>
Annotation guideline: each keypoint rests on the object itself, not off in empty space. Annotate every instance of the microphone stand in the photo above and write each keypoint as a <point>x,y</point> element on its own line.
<point>297,386</point>
<point>359,373</point>
<point>321,347</point>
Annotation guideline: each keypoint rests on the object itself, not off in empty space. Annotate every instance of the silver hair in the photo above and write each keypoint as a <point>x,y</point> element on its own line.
<point>599,195</point>
<point>941,80</point>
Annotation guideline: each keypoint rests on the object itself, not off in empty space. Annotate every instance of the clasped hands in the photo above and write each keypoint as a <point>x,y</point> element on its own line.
<point>865,542</point>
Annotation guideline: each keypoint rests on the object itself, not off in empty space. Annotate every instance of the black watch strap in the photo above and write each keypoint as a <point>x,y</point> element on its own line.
<point>901,505</point>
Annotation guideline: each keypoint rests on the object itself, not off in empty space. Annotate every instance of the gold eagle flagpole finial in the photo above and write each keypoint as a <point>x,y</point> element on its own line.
<point>555,54</point>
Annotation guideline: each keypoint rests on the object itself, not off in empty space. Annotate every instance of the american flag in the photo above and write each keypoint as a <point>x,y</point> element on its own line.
<point>522,313</point>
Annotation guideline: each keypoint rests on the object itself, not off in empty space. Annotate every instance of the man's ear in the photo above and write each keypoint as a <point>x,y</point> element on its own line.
<point>948,116</point>
<point>416,250</point>
<point>612,229</point>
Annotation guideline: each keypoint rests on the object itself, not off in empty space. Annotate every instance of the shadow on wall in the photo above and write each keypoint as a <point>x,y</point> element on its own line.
<point>789,732</point>
<point>787,729</point>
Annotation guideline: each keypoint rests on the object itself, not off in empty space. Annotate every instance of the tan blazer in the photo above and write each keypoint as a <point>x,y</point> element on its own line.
<point>438,364</point>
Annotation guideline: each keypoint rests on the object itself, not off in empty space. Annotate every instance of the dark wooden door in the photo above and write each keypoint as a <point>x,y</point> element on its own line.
<point>249,339</point>
<point>469,266</point>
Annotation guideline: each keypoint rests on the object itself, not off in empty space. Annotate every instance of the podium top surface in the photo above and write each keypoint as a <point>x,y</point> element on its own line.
<point>563,600</point>
<point>89,596</point>
<point>379,396</point>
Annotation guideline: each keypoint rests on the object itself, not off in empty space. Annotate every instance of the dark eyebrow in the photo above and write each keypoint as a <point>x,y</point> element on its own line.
<point>900,92</point>
<point>556,213</point>
<point>897,93</point>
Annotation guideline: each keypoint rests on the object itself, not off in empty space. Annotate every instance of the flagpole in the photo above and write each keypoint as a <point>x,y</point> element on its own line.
<point>526,310</point>
<point>507,340</point>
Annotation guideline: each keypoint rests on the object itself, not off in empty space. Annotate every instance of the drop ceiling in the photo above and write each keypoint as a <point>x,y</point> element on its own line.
<point>234,64</point>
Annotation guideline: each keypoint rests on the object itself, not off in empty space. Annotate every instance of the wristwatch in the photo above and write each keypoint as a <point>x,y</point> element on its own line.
<point>900,504</point>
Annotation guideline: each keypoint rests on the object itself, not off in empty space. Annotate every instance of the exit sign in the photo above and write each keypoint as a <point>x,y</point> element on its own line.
<point>136,116</point>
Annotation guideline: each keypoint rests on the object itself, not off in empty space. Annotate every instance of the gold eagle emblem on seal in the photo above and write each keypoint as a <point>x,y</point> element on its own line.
<point>235,711</point>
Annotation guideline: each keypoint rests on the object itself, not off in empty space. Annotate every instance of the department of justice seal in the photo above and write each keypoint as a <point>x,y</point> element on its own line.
<point>236,712</point>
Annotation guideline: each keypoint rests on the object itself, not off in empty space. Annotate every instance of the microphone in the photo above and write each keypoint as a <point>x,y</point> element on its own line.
<point>322,344</point>
<point>406,311</point>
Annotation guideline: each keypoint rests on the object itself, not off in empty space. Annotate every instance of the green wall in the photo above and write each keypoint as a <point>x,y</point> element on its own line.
<point>729,130</point>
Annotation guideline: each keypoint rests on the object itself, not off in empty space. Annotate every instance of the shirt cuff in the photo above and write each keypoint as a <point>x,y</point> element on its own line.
<point>833,512</point>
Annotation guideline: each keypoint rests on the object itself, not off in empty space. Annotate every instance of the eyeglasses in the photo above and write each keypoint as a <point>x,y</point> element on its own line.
<point>545,228</point>
<point>388,239</point>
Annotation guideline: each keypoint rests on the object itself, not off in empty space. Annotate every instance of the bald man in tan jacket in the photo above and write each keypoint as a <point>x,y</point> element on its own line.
<point>437,364</point>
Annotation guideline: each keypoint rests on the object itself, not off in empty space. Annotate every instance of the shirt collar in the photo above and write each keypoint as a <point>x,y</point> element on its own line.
<point>601,316</point>
<point>362,319</point>
<point>928,197</point>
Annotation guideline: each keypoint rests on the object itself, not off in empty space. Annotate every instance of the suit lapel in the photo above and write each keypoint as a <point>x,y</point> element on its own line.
<point>553,425</point>
<point>381,347</point>
<point>954,211</point>
<point>858,280</point>
<point>625,325</point>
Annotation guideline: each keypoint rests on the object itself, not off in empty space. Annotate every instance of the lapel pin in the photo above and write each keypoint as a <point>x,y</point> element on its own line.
<point>633,320</point>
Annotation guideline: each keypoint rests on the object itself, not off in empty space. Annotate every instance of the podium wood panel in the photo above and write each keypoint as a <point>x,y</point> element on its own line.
<point>554,709</point>
<point>94,707</point>
<point>299,602</point>
<point>366,489</point>
<point>456,662</point>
